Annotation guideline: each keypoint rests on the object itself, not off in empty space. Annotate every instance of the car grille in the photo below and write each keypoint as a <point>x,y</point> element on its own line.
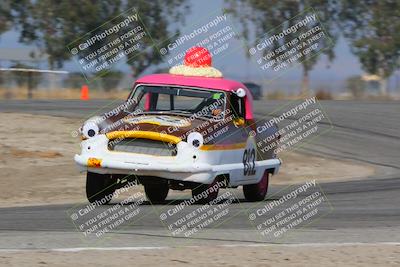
<point>143,146</point>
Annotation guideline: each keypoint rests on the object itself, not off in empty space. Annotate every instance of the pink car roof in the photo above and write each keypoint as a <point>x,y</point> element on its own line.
<point>201,82</point>
<point>192,81</point>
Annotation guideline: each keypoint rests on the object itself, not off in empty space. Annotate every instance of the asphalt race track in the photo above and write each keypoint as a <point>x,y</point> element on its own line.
<point>364,210</point>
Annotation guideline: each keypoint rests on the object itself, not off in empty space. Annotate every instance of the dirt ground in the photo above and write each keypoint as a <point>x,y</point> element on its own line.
<point>37,167</point>
<point>274,255</point>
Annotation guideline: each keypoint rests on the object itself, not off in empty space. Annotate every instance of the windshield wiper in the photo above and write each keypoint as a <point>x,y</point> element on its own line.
<point>181,111</point>
<point>166,112</point>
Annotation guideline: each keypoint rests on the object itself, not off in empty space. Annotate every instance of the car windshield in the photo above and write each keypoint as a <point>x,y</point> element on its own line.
<point>183,101</point>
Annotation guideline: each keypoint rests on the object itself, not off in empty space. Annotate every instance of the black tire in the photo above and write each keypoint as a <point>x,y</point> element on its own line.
<point>156,192</point>
<point>99,187</point>
<point>258,191</point>
<point>198,192</point>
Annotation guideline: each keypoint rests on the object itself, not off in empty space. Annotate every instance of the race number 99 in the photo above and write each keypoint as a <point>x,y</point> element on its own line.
<point>249,157</point>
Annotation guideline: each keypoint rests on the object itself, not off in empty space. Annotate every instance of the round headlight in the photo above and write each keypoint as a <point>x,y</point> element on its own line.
<point>90,129</point>
<point>240,92</point>
<point>195,139</point>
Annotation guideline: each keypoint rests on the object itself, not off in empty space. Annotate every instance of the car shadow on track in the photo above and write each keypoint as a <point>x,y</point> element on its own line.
<point>173,202</point>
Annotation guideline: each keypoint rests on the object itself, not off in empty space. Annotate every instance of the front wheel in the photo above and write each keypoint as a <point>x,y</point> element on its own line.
<point>99,187</point>
<point>257,192</point>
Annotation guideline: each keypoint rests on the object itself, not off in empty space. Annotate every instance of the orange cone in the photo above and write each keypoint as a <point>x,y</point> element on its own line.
<point>85,92</point>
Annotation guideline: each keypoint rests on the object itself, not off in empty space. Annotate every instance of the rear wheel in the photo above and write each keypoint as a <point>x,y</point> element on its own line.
<point>257,192</point>
<point>99,187</point>
<point>157,192</point>
<point>205,193</point>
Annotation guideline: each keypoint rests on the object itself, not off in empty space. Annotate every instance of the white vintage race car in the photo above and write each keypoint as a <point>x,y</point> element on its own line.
<point>178,131</point>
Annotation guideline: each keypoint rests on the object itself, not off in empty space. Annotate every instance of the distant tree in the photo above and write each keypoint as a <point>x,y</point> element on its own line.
<point>74,80</point>
<point>373,27</point>
<point>265,16</point>
<point>5,15</point>
<point>52,25</point>
<point>111,80</point>
<point>30,79</point>
<point>6,20</point>
<point>356,86</point>
<point>157,15</point>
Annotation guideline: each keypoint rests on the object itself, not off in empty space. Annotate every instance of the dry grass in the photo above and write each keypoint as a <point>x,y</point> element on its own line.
<point>69,93</point>
<point>276,95</point>
<point>282,95</point>
<point>323,95</point>
<point>75,93</point>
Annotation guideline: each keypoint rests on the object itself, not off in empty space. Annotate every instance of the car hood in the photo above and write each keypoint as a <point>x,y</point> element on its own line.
<point>164,123</point>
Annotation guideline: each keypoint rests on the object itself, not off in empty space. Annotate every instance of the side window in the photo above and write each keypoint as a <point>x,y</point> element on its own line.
<point>237,106</point>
